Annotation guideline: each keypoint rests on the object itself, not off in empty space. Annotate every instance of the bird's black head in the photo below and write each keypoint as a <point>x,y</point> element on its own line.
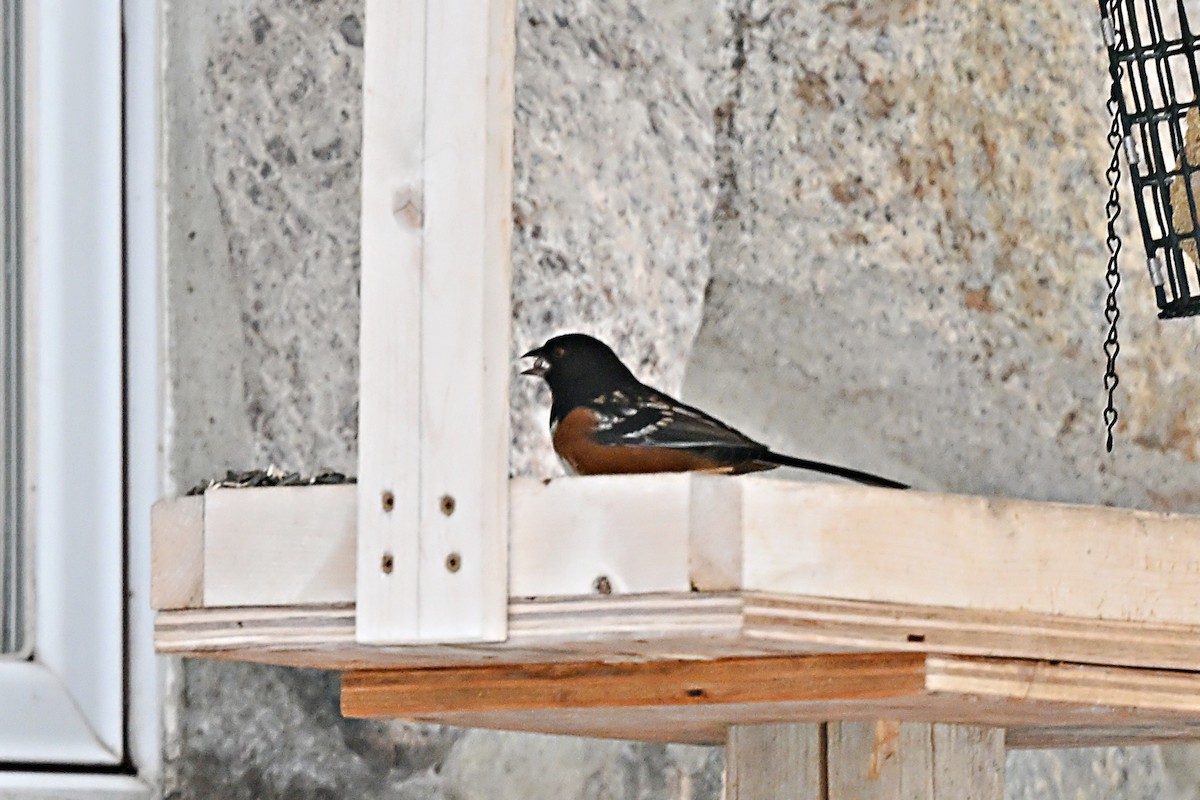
<point>578,368</point>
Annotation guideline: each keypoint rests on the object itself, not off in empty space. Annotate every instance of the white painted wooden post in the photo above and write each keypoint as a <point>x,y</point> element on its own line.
<point>434,354</point>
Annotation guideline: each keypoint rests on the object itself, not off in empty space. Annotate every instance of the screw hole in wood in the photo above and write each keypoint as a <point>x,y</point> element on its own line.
<point>454,562</point>
<point>388,500</point>
<point>447,505</point>
<point>387,563</point>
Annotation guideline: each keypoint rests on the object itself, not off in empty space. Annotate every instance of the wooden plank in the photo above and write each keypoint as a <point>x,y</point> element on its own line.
<point>715,534</point>
<point>465,320</point>
<point>879,760</point>
<point>433,443</point>
<point>586,529</point>
<point>1072,684</point>
<point>376,693</point>
<point>695,626</point>
<point>315,566</point>
<point>617,628</point>
<point>861,543</point>
<point>968,763</point>
<point>775,762</point>
<point>196,632</point>
<point>893,760</point>
<point>177,553</point>
<point>707,725</point>
<point>656,701</point>
<point>858,624</point>
<point>1053,737</point>
<point>617,625</point>
<point>865,760</point>
<point>389,399</point>
<point>570,533</point>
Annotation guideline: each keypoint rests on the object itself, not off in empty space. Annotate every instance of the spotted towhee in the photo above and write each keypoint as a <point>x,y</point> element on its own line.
<point>604,421</point>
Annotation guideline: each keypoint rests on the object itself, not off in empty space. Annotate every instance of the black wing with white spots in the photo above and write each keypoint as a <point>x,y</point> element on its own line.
<point>652,419</point>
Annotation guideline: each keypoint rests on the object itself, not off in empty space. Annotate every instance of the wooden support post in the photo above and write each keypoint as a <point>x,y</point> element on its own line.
<point>434,347</point>
<point>882,760</point>
<point>775,762</point>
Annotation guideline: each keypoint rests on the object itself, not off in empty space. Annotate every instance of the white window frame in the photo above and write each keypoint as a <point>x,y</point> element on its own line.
<point>79,715</point>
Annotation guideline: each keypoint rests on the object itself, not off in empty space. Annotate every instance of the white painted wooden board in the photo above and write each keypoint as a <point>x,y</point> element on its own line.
<point>569,533</point>
<point>306,560</point>
<point>859,543</point>
<point>434,358</point>
<point>465,320</point>
<point>389,401</point>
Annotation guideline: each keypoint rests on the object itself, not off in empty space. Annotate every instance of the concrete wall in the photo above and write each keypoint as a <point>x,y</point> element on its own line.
<point>864,231</point>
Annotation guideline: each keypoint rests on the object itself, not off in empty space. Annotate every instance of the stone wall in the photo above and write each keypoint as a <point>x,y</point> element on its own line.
<point>908,271</point>
<point>869,232</point>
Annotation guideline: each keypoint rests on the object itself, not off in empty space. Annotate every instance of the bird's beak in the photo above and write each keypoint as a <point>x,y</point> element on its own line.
<point>540,367</point>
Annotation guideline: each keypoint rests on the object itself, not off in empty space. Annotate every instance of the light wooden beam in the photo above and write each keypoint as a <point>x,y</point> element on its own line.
<point>968,762</point>
<point>892,760</point>
<point>785,761</point>
<point>434,356</point>
<point>871,760</point>
<point>389,379</point>
<point>978,553</point>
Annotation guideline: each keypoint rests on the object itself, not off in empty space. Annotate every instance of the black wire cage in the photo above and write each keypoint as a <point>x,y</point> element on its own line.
<point>1153,60</point>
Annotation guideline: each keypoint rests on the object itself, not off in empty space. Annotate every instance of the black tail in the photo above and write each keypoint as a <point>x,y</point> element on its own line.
<point>831,469</point>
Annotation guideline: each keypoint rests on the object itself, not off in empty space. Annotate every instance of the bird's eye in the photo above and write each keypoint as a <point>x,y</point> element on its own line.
<point>559,352</point>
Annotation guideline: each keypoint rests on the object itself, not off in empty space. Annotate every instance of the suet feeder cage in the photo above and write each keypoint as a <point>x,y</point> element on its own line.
<point>1153,56</point>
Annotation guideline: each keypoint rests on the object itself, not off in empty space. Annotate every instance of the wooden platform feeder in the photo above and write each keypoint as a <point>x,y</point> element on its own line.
<point>842,642</point>
<point>681,607</point>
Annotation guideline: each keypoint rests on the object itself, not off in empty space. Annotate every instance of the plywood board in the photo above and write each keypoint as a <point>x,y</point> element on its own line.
<point>707,725</point>
<point>860,624</point>
<point>1142,705</point>
<point>376,693</point>
<point>617,629</point>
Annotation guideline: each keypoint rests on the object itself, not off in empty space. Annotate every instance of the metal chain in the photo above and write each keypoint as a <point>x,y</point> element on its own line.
<point>1113,277</point>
